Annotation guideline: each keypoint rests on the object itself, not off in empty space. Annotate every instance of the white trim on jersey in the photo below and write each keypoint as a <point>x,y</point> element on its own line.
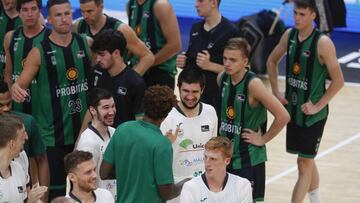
<point>236,190</point>
<point>101,196</point>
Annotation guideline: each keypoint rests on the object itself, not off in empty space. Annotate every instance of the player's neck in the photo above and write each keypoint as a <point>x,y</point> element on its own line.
<point>83,196</point>
<point>212,20</point>
<point>4,164</point>
<point>101,128</point>
<point>95,28</point>
<point>12,13</point>
<point>305,33</point>
<point>141,2</point>
<point>189,112</point>
<point>116,68</point>
<point>237,77</point>
<point>61,39</point>
<point>31,31</point>
<point>216,182</point>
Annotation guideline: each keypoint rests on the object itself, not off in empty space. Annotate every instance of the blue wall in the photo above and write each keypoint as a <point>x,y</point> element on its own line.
<point>234,9</point>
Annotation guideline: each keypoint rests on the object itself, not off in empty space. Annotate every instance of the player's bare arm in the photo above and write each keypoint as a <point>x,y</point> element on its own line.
<point>8,64</point>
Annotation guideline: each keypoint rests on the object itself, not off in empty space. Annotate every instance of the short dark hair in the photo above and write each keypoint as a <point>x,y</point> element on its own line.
<point>158,101</point>
<point>51,3</point>
<point>73,159</point>
<point>97,2</point>
<point>3,87</point>
<point>19,3</point>
<point>109,40</point>
<point>9,125</point>
<point>238,43</point>
<point>95,95</point>
<point>191,75</point>
<point>310,4</point>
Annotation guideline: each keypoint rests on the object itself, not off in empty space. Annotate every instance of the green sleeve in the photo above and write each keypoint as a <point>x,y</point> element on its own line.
<point>109,152</point>
<point>163,163</point>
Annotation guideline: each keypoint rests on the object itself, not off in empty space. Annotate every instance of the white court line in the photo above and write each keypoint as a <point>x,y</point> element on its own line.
<point>324,153</point>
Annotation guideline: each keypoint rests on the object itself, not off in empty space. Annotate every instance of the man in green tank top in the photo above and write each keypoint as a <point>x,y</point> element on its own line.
<point>61,65</point>
<point>244,101</point>
<point>94,20</point>
<point>155,23</point>
<point>311,58</point>
<point>9,20</point>
<point>19,42</point>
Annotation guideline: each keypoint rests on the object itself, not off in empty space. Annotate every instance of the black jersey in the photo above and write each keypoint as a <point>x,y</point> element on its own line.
<point>128,89</point>
<point>213,41</point>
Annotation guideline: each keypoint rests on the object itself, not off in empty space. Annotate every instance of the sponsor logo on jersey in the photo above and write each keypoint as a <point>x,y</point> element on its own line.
<point>146,14</point>
<point>189,145</point>
<point>203,199</point>
<point>230,128</point>
<point>230,112</point>
<point>205,128</point>
<point>195,34</point>
<point>80,54</point>
<point>210,45</point>
<point>192,162</point>
<point>306,53</point>
<point>122,91</point>
<point>300,84</point>
<point>72,73</point>
<point>72,89</point>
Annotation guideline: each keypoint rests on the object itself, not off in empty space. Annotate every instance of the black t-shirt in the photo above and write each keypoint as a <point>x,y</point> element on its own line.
<point>213,41</point>
<point>128,89</point>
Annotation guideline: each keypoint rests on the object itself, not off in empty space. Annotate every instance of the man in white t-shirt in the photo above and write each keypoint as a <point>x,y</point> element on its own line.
<point>80,168</point>
<point>189,125</point>
<point>97,136</point>
<point>12,176</point>
<point>216,185</point>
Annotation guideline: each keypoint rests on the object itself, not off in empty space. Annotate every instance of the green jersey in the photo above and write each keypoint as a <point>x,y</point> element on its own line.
<point>34,145</point>
<point>237,114</point>
<point>142,157</point>
<point>6,24</point>
<point>59,95</point>
<point>305,77</point>
<point>110,23</point>
<point>20,46</point>
<point>142,19</point>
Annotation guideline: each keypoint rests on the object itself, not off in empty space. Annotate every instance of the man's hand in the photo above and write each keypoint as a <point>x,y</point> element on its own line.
<point>172,137</point>
<point>18,94</point>
<point>253,137</point>
<point>203,59</point>
<point>36,193</point>
<point>309,108</point>
<point>181,60</point>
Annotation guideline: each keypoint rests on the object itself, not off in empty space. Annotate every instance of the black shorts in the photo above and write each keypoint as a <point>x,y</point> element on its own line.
<point>57,171</point>
<point>256,176</point>
<point>157,76</point>
<point>304,141</point>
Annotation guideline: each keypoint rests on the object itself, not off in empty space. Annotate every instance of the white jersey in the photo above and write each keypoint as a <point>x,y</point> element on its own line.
<point>236,190</point>
<point>13,188</point>
<point>23,160</point>
<point>101,196</point>
<point>91,141</point>
<point>189,146</point>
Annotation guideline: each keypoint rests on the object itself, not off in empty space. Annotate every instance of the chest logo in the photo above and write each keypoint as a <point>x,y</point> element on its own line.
<point>296,68</point>
<point>80,54</point>
<point>205,128</point>
<point>230,112</point>
<point>72,74</point>
<point>122,91</point>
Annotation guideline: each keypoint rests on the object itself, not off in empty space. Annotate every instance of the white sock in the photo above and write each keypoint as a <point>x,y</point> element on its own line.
<point>314,196</point>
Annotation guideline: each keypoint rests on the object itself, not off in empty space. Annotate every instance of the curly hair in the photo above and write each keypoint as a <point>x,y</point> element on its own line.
<point>158,101</point>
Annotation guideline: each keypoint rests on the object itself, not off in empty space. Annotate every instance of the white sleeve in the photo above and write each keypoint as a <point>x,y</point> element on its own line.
<point>186,195</point>
<point>246,195</point>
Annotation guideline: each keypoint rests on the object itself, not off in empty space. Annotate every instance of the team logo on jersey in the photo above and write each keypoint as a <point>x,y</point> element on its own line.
<point>205,128</point>
<point>210,45</point>
<point>240,97</point>
<point>296,68</point>
<point>146,14</point>
<point>80,54</point>
<point>122,91</point>
<point>138,30</point>
<point>230,112</point>
<point>72,74</point>
<point>306,53</point>
<point>180,131</point>
<point>20,189</point>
